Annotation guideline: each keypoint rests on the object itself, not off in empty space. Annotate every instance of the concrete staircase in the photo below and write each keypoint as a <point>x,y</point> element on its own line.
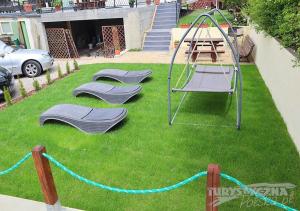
<point>159,37</point>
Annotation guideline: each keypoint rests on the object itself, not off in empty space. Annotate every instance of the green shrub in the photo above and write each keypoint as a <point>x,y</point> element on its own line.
<point>22,89</point>
<point>7,96</point>
<point>59,72</point>
<point>68,69</point>
<point>76,66</point>
<point>48,77</point>
<point>36,85</point>
<point>280,19</point>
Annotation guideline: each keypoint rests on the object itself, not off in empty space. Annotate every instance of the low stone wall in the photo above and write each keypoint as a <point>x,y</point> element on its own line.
<point>276,65</point>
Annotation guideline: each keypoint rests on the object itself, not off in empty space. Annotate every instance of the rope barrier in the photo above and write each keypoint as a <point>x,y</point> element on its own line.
<point>121,190</point>
<point>256,194</point>
<point>18,164</point>
<point>148,191</point>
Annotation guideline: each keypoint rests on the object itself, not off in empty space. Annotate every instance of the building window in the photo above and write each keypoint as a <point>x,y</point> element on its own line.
<point>5,28</point>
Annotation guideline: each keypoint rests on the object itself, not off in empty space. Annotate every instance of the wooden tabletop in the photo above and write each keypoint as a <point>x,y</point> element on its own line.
<point>204,40</point>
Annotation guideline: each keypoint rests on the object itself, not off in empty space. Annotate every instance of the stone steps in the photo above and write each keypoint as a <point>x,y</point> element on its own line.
<point>158,39</point>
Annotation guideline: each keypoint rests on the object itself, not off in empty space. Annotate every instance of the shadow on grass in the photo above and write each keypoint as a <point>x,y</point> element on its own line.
<point>207,103</point>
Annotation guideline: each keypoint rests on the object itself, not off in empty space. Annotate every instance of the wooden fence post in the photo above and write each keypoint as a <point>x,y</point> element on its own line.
<point>213,182</point>
<point>45,177</point>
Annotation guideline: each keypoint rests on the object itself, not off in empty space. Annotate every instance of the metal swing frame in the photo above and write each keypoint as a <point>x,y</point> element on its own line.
<point>238,85</point>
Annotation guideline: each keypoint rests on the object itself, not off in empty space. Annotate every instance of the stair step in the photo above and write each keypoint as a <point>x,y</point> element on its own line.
<point>164,27</point>
<point>164,22</point>
<point>158,38</point>
<point>159,34</point>
<point>156,48</point>
<point>162,15</point>
<point>163,10</point>
<point>157,43</point>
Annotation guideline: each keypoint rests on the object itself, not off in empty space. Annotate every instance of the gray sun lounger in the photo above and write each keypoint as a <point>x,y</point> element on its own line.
<point>107,92</point>
<point>89,120</point>
<point>123,75</point>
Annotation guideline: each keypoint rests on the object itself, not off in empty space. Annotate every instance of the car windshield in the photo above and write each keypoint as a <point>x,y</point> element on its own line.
<point>6,48</point>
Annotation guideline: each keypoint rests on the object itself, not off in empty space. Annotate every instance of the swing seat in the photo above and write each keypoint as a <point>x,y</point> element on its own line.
<point>209,79</point>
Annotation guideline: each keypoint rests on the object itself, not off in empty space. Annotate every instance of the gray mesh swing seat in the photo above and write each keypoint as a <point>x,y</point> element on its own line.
<point>89,120</point>
<point>109,93</point>
<point>123,75</point>
<point>209,79</point>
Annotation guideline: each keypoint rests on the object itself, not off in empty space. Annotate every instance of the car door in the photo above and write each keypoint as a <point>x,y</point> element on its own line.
<point>5,60</point>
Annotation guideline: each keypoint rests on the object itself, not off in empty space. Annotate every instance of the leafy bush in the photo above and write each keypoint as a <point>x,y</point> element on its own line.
<point>36,85</point>
<point>76,66</point>
<point>68,69</point>
<point>7,96</point>
<point>280,19</point>
<point>22,89</point>
<point>59,72</point>
<point>48,77</point>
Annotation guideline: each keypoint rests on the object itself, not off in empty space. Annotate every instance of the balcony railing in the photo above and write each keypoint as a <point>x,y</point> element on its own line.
<point>44,6</point>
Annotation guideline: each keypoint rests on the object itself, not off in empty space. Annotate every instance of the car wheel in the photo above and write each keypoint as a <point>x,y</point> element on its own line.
<point>32,69</point>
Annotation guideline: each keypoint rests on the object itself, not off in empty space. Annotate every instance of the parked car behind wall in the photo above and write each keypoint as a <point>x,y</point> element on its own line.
<point>30,62</point>
<point>6,80</point>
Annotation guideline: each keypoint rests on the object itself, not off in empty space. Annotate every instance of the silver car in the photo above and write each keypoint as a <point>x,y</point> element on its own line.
<point>30,62</point>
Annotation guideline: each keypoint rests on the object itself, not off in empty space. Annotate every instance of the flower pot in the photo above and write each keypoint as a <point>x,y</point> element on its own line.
<point>27,7</point>
<point>204,25</point>
<point>185,26</point>
<point>117,52</point>
<point>57,8</point>
<point>224,25</point>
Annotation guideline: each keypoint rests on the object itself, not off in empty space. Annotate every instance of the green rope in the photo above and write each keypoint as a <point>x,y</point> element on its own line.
<point>18,164</point>
<point>121,190</point>
<point>257,195</point>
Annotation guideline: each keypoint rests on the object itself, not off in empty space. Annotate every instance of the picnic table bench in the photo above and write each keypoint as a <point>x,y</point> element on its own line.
<point>213,42</point>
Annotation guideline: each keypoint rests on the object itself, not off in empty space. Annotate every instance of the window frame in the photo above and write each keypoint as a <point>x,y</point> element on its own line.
<point>11,32</point>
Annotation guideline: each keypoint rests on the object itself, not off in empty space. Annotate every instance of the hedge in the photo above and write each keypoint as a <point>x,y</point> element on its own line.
<point>279,18</point>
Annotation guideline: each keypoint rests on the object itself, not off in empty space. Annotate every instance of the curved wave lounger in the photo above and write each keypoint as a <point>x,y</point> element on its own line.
<point>107,92</point>
<point>89,120</point>
<point>123,75</point>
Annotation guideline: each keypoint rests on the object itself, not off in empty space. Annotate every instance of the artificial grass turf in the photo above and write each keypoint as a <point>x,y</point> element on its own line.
<point>191,17</point>
<point>144,151</point>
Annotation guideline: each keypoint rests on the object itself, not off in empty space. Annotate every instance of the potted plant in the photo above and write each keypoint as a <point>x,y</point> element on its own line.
<point>204,25</point>
<point>27,7</point>
<point>185,26</point>
<point>57,4</point>
<point>117,50</point>
<point>131,3</point>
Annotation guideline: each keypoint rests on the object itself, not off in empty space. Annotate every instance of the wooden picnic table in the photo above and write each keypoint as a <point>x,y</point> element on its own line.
<point>213,42</point>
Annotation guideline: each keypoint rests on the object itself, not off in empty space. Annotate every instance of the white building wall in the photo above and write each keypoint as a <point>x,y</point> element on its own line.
<point>276,65</point>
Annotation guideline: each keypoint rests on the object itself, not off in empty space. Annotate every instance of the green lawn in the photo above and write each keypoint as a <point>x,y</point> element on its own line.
<point>188,19</point>
<point>144,151</point>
